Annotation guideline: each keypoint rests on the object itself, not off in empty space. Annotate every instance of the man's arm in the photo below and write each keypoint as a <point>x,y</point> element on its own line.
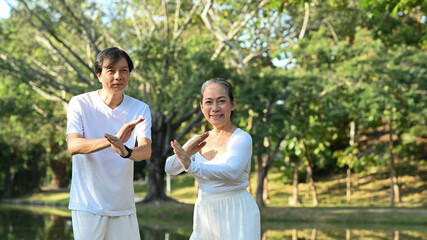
<point>79,145</point>
<point>139,153</point>
<point>142,151</point>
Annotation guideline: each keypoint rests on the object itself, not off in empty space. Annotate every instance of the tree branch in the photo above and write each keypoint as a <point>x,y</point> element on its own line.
<point>51,33</point>
<point>70,63</point>
<point>305,23</point>
<point>188,18</point>
<point>184,118</point>
<point>192,124</point>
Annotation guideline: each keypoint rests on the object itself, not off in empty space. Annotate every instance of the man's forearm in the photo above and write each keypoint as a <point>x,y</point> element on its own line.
<point>141,153</point>
<point>85,146</point>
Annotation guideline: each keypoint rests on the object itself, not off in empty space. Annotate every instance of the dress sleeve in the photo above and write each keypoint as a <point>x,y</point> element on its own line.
<point>173,166</point>
<point>239,152</point>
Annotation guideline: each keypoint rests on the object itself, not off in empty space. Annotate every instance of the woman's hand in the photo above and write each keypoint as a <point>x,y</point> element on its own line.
<point>191,148</point>
<point>181,154</point>
<point>194,146</point>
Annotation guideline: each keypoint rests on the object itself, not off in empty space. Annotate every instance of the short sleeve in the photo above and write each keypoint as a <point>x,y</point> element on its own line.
<point>74,117</point>
<point>143,129</point>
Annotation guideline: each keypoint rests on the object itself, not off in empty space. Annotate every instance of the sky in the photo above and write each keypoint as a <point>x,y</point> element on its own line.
<point>4,9</point>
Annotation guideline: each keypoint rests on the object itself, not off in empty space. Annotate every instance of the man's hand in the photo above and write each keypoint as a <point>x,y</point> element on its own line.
<point>116,144</point>
<point>126,131</point>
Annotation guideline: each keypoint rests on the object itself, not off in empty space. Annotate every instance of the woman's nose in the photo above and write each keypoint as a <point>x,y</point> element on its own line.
<point>215,106</point>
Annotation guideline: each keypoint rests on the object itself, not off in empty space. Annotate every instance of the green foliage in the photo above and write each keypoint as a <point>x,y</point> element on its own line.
<point>363,64</point>
<point>22,142</point>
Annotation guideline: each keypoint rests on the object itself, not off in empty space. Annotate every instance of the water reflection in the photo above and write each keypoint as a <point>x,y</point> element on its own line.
<point>21,223</point>
<point>347,234</point>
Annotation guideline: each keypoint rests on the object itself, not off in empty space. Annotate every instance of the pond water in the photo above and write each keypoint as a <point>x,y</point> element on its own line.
<point>37,223</point>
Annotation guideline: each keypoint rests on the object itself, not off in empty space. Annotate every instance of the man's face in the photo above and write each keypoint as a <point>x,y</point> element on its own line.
<point>115,79</point>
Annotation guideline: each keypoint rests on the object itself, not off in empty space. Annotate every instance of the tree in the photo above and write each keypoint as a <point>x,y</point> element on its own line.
<point>170,43</point>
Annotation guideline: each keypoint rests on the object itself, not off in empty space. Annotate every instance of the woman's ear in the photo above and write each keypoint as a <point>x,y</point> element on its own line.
<point>233,104</point>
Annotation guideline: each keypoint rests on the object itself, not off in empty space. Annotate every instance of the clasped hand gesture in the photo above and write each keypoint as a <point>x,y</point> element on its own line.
<point>192,147</point>
<point>117,141</point>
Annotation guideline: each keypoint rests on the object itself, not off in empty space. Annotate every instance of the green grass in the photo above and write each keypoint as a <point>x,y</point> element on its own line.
<point>369,203</point>
<point>57,211</point>
<point>369,189</point>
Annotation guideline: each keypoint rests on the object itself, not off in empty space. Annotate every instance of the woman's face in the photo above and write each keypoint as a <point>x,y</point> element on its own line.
<point>216,105</point>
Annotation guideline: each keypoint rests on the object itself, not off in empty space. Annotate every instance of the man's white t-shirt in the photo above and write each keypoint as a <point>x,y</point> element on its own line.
<point>102,182</point>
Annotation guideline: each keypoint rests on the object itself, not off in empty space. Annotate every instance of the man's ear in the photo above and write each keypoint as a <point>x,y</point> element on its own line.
<point>99,77</point>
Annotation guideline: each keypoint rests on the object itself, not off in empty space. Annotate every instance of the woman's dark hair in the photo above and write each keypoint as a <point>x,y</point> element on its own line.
<point>220,81</point>
<point>113,55</point>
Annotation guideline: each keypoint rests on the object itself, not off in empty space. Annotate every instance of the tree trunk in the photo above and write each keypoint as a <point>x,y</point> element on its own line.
<point>394,187</point>
<point>295,199</point>
<point>310,180</point>
<point>348,185</point>
<point>314,234</point>
<point>155,184</point>
<point>163,131</point>
<point>265,192</point>
<point>348,181</point>
<point>259,190</point>
<point>60,178</point>
<point>312,184</point>
<point>156,165</point>
<point>262,174</point>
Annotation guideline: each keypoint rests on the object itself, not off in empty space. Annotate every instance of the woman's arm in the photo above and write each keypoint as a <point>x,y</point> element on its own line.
<point>239,153</point>
<point>181,160</point>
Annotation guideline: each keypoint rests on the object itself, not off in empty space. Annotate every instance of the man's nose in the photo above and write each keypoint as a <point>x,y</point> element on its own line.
<point>117,75</point>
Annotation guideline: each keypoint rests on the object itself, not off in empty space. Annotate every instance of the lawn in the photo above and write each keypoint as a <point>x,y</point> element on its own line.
<point>369,202</point>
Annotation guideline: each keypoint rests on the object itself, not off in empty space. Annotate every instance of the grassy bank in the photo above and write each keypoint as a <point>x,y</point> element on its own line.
<point>369,202</point>
<point>370,189</point>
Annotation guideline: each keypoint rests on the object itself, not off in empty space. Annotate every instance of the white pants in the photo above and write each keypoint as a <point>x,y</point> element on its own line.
<point>226,216</point>
<point>88,226</point>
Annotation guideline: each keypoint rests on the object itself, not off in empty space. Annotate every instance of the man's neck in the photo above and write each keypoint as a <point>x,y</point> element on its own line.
<point>113,100</point>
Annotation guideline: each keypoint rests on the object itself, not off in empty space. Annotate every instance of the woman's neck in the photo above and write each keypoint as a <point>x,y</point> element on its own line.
<point>228,129</point>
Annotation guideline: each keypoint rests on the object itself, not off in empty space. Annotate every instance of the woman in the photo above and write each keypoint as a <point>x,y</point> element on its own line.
<point>220,161</point>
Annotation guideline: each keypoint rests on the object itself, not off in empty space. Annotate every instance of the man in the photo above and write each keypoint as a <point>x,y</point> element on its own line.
<point>102,131</point>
